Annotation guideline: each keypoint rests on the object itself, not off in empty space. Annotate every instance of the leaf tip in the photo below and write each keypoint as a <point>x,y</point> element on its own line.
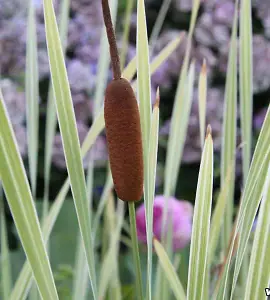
<point>204,67</point>
<point>156,105</point>
<point>208,131</point>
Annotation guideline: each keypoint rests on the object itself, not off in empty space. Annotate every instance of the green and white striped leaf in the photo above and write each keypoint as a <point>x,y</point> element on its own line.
<point>32,104</point>
<point>180,115</point>
<point>24,279</point>
<point>217,218</point>
<point>51,118</point>
<point>144,97</point>
<point>69,134</point>
<point>250,202</point>
<point>178,131</point>
<point>152,165</point>
<point>6,277</point>
<point>259,269</point>
<point>172,165</point>
<point>102,202</point>
<point>198,268</point>
<point>143,77</point>
<point>229,130</point>
<point>169,271</point>
<point>80,281</point>
<point>22,206</point>
<point>32,95</point>
<point>246,81</point>
<point>108,266</point>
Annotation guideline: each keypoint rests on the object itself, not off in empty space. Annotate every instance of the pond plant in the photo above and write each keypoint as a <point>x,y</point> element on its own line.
<point>228,256</point>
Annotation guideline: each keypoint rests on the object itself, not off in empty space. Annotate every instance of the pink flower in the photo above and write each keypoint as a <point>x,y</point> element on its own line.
<point>180,212</point>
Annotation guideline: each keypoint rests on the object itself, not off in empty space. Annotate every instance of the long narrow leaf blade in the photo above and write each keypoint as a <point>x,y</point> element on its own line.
<point>108,265</point>
<point>69,134</point>
<point>143,75</point>
<point>246,82</point>
<point>250,202</point>
<point>217,218</point>
<point>6,278</point>
<point>179,103</point>
<point>32,95</point>
<point>169,271</point>
<point>197,276</point>
<point>153,148</point>
<point>23,281</point>
<point>229,129</point>
<point>51,118</point>
<point>179,123</point>
<point>144,96</point>
<point>22,207</point>
<point>202,100</point>
<point>259,270</point>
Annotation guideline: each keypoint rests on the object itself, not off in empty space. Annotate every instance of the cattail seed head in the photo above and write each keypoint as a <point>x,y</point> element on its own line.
<point>122,123</point>
<point>123,131</point>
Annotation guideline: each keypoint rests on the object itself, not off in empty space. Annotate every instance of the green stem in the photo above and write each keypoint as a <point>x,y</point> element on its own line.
<point>135,250</point>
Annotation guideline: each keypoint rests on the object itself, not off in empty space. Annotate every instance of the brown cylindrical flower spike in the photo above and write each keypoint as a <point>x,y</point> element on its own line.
<point>122,123</point>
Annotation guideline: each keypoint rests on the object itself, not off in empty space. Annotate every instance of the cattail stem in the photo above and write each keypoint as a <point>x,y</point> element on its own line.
<point>111,39</point>
<point>135,250</point>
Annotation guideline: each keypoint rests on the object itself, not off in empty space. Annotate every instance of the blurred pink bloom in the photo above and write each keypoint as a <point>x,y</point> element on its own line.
<point>180,212</point>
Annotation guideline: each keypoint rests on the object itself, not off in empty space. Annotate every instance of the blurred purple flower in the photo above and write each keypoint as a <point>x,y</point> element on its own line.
<point>183,5</point>
<point>172,66</point>
<point>43,64</point>
<point>223,11</point>
<point>80,77</point>
<point>15,103</point>
<point>13,36</point>
<point>11,8</point>
<point>12,46</point>
<point>214,115</point>
<point>82,109</point>
<point>263,12</point>
<point>261,58</point>
<point>84,38</point>
<point>89,8</point>
<point>99,149</point>
<point>21,137</point>
<point>179,212</point>
<point>14,100</point>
